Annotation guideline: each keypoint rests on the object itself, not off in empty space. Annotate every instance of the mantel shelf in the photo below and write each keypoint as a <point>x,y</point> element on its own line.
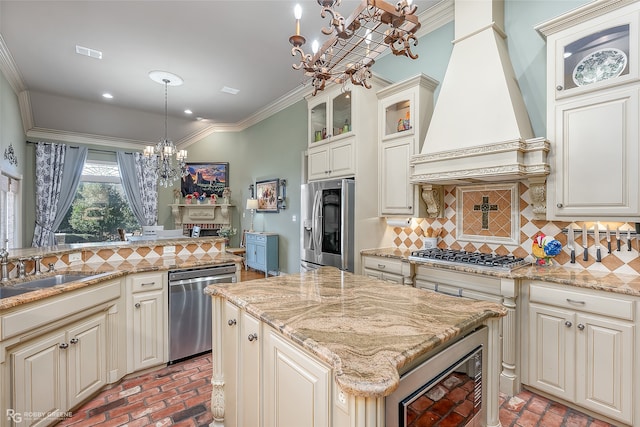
<point>203,213</point>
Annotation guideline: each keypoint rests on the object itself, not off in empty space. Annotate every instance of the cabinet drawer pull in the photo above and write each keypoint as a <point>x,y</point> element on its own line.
<point>253,337</point>
<point>581,326</point>
<point>568,324</point>
<point>137,305</point>
<point>74,341</point>
<point>231,322</point>
<point>148,284</point>
<point>63,345</point>
<point>573,301</point>
<point>381,266</point>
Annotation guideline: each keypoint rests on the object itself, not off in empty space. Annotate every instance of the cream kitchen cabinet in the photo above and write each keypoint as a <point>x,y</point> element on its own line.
<point>329,115</point>
<point>332,160</point>
<point>592,112</point>
<point>389,269</point>
<point>147,317</point>
<point>597,153</point>
<point>404,113</point>
<point>57,352</point>
<point>342,133</point>
<point>238,348</point>
<point>263,379</point>
<point>581,346</point>
<point>60,370</point>
<point>297,386</point>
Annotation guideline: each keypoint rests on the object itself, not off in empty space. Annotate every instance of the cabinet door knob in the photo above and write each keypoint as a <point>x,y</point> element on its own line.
<point>559,87</point>
<point>74,341</point>
<point>231,322</point>
<point>559,205</point>
<point>137,305</point>
<point>253,337</point>
<point>568,324</point>
<point>63,345</point>
<point>581,326</point>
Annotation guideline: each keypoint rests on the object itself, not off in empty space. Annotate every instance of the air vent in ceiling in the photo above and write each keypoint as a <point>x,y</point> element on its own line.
<point>230,90</point>
<point>91,53</point>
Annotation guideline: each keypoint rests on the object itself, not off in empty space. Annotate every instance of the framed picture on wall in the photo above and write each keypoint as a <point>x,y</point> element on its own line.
<point>206,177</point>
<point>267,195</point>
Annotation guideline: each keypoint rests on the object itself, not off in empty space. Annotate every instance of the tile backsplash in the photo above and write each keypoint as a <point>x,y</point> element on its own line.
<point>487,213</point>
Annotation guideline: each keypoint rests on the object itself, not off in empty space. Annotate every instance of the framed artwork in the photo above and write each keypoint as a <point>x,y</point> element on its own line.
<point>267,195</point>
<point>206,177</point>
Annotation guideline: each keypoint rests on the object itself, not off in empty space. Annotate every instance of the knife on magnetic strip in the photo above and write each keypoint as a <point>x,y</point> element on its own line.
<point>596,235</point>
<point>608,239</point>
<point>585,242</point>
<point>571,243</point>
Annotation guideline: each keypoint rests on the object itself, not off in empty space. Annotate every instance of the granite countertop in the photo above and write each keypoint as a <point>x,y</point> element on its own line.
<point>111,270</point>
<point>628,284</point>
<point>366,329</point>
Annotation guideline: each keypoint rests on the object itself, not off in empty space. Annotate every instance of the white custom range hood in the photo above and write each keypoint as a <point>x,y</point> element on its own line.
<point>480,130</point>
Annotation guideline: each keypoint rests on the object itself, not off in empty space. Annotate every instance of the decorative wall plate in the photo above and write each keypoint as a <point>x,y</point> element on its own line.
<point>600,65</point>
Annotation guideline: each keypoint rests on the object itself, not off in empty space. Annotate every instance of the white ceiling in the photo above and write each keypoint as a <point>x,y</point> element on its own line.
<point>209,43</point>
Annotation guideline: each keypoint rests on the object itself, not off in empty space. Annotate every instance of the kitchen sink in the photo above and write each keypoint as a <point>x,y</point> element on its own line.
<point>48,282</point>
<point>10,291</point>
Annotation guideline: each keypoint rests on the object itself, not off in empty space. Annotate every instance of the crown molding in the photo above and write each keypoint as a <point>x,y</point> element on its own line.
<point>26,113</point>
<point>579,15</point>
<point>435,17</point>
<point>9,69</point>
<point>84,138</point>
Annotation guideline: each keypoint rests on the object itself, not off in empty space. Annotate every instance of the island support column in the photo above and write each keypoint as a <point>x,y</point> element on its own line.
<point>509,378</point>
<point>217,377</point>
<point>494,363</point>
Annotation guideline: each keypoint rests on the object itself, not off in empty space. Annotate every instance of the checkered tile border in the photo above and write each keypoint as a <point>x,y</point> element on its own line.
<point>625,261</point>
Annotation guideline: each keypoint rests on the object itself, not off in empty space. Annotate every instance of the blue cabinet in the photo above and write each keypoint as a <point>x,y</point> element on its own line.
<point>262,252</point>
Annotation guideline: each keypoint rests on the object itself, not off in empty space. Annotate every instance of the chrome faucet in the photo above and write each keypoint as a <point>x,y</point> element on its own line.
<point>4,261</point>
<point>36,264</point>
<point>21,268</point>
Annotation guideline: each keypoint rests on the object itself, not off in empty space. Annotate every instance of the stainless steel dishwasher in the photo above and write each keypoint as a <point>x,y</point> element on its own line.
<point>190,308</point>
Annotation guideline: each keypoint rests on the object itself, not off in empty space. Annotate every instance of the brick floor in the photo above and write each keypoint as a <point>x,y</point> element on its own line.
<point>179,395</point>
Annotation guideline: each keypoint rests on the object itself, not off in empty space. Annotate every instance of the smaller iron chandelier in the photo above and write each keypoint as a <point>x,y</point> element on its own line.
<point>171,164</point>
<point>355,42</point>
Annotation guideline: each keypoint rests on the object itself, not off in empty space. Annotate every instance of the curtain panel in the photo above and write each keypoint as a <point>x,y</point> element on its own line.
<point>139,177</point>
<point>58,172</point>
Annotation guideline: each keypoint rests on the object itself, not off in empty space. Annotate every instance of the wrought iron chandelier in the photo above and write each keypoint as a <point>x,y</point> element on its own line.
<point>355,41</point>
<point>170,162</point>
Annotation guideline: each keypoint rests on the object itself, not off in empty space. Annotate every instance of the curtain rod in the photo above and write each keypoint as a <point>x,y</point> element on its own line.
<point>95,150</point>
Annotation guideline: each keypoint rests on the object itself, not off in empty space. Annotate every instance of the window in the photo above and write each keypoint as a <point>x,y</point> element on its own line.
<point>100,207</point>
<point>9,196</point>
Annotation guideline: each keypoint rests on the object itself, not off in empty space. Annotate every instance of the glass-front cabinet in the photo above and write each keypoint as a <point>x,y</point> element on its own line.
<point>597,56</point>
<point>330,116</point>
<point>593,103</point>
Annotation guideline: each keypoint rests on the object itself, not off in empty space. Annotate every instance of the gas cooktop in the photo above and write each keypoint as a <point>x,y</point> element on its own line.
<point>476,259</point>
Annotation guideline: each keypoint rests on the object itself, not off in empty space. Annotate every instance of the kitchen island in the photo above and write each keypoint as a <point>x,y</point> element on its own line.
<point>352,336</point>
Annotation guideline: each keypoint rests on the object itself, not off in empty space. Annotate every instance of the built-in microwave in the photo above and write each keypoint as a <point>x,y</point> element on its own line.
<point>446,389</point>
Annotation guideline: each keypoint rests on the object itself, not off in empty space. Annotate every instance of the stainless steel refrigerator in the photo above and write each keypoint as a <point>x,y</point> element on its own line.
<point>327,236</point>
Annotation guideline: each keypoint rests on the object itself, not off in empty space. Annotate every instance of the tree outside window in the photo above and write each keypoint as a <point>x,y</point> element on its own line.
<point>100,207</point>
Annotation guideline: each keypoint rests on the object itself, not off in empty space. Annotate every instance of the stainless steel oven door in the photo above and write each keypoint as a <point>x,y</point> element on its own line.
<point>446,389</point>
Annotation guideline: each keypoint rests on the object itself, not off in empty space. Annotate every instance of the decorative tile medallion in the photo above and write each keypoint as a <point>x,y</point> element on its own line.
<point>411,238</point>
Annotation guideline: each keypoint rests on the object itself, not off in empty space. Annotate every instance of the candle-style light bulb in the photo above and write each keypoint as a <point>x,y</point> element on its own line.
<point>297,12</point>
<point>367,40</point>
<point>315,46</point>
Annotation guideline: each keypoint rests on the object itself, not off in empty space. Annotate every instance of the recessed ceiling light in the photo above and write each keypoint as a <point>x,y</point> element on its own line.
<point>107,95</point>
<point>229,90</point>
<point>187,111</point>
<point>91,53</point>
